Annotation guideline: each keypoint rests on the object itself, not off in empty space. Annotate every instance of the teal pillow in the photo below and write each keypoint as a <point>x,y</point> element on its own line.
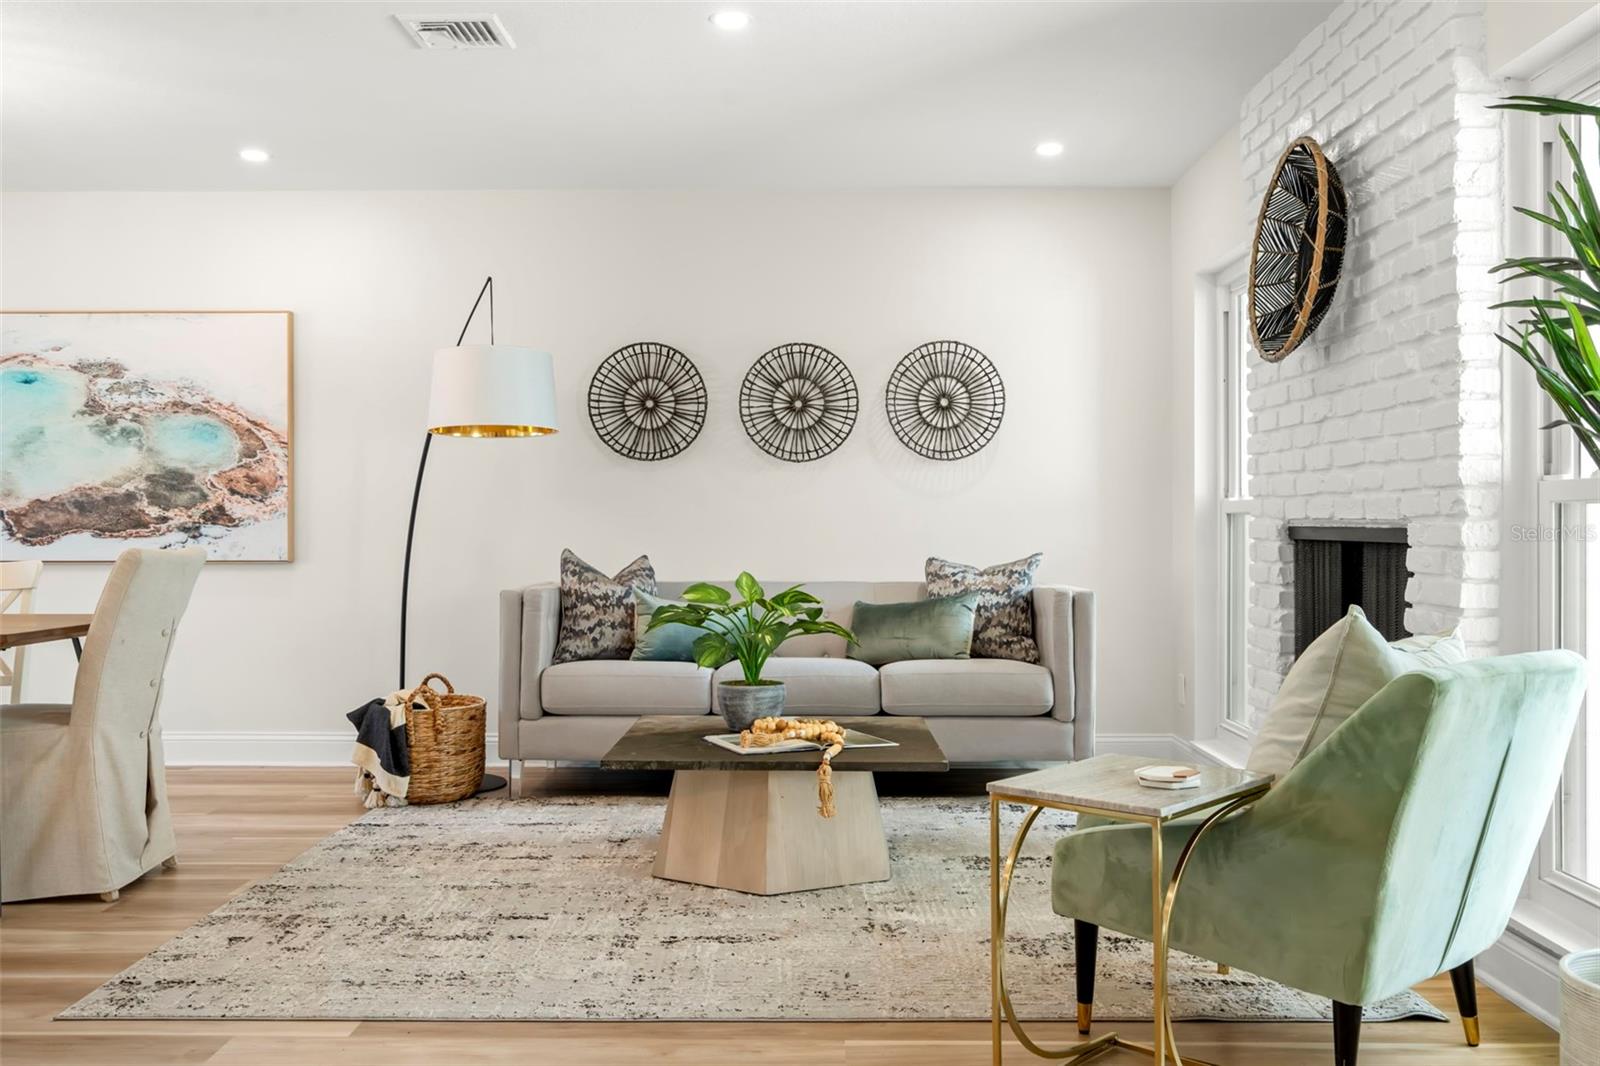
<point>939,628</point>
<point>671,643</point>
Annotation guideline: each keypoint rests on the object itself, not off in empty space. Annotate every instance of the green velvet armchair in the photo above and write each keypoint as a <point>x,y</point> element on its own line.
<point>1391,853</point>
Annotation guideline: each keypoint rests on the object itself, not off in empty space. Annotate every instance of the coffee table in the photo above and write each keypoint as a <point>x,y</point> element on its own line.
<point>750,822</point>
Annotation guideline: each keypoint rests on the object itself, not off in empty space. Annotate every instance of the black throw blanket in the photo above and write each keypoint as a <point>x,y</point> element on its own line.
<point>382,751</point>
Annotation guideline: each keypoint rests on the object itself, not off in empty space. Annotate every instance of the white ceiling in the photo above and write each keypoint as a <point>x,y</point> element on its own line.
<point>626,95</point>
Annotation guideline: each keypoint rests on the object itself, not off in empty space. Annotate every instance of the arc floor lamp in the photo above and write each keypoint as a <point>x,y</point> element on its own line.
<point>480,390</point>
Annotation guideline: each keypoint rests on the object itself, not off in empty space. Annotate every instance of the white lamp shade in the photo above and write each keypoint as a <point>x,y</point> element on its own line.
<point>492,390</point>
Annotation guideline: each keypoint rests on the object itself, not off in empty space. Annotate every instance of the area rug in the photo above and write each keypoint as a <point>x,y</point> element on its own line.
<point>545,909</point>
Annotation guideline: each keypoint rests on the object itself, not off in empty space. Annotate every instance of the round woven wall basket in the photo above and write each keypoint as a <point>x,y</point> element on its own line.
<point>1298,250</point>
<point>647,401</point>
<point>446,743</point>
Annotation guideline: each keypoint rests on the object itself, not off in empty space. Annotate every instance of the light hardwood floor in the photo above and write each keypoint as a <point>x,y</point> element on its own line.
<point>236,826</point>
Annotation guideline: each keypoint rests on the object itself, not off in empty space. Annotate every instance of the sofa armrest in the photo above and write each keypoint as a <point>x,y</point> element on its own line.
<point>1063,625</point>
<point>529,619</point>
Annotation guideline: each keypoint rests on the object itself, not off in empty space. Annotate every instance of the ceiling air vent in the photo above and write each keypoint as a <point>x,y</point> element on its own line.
<point>470,31</point>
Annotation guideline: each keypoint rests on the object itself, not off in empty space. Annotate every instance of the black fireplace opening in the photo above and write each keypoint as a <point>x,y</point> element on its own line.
<point>1336,567</point>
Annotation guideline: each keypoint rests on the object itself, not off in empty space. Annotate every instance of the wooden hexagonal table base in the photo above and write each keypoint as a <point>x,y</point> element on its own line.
<point>759,831</point>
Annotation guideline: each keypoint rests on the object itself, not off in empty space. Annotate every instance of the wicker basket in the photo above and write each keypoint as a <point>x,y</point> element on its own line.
<point>1580,1008</point>
<point>446,743</point>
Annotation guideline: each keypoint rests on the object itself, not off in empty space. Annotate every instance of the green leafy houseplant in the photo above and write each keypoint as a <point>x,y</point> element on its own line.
<point>749,629</point>
<point>1560,322</point>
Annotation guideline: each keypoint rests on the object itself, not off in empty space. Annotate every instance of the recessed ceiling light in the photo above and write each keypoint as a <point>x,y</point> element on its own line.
<point>254,155</point>
<point>732,21</point>
<point>1049,149</point>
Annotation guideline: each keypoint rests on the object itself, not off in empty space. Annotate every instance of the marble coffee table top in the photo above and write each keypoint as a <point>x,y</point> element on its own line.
<point>676,743</point>
<point>1108,782</point>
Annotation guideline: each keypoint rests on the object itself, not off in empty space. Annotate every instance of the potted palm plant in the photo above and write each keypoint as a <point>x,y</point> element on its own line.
<point>1560,320</point>
<point>748,630</point>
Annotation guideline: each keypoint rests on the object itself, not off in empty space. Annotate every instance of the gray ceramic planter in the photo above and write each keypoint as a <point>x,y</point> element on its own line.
<point>742,704</point>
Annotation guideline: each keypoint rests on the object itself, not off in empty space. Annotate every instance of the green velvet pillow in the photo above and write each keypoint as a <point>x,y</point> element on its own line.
<point>671,643</point>
<point>939,628</point>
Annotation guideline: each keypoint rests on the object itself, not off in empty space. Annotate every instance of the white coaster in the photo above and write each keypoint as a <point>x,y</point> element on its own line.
<point>1168,776</point>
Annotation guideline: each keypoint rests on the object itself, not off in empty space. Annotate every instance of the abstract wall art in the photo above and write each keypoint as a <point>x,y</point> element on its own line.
<point>145,429</point>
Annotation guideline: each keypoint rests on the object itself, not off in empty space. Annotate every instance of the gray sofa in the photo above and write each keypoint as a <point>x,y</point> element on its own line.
<point>982,711</point>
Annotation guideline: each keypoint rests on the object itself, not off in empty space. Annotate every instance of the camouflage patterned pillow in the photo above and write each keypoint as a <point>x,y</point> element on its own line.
<point>1003,628</point>
<point>597,611</point>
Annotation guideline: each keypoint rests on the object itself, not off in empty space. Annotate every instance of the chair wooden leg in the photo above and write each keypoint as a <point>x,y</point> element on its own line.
<point>1466,989</point>
<point>1346,1033</point>
<point>110,897</point>
<point>1086,945</point>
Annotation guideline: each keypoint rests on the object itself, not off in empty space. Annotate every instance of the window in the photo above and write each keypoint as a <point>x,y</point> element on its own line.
<point>1234,503</point>
<point>1565,886</point>
<point>1569,504</point>
<point>1574,562</point>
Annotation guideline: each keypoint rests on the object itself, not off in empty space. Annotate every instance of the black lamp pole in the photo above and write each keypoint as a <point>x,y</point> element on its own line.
<point>416,493</point>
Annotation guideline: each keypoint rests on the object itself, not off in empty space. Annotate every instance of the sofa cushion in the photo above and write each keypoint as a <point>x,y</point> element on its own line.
<point>816,686</point>
<point>611,686</point>
<point>967,688</point>
<point>820,645</point>
<point>597,611</point>
<point>838,601</point>
<point>669,643</point>
<point>1004,626</point>
<point>922,629</point>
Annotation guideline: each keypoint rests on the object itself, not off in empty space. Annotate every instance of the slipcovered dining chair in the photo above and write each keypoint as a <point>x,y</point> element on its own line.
<point>1391,853</point>
<point>18,578</point>
<point>83,792</point>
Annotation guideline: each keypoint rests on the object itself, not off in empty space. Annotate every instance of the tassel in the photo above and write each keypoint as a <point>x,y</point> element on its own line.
<point>765,732</point>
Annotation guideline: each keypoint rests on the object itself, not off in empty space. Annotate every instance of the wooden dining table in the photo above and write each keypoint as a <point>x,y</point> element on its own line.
<point>19,629</point>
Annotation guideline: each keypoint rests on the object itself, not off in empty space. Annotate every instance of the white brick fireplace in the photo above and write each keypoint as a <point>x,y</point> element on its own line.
<point>1390,415</point>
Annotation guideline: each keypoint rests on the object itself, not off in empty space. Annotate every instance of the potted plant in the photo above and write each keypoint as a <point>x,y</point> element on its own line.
<point>1561,320</point>
<point>1580,1006</point>
<point>748,630</point>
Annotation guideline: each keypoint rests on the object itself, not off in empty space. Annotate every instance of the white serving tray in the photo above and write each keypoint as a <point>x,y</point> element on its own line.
<point>852,739</point>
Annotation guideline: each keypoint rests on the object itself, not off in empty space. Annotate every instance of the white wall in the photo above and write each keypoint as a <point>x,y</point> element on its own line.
<point>1211,228</point>
<point>1053,285</point>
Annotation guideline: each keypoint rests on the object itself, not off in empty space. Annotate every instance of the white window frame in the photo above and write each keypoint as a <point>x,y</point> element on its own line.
<point>1557,910</point>
<point>1218,444</point>
<point>1233,483</point>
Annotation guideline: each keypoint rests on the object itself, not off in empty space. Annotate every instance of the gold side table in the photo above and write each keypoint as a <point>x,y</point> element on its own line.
<point>1105,786</point>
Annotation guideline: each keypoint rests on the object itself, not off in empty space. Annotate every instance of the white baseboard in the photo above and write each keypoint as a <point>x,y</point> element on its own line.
<point>1144,745</point>
<point>1524,974</point>
<point>265,748</point>
<point>332,748</point>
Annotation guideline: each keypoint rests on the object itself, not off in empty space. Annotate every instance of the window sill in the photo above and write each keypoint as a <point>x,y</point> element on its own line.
<point>1224,750</point>
<point>1552,933</point>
